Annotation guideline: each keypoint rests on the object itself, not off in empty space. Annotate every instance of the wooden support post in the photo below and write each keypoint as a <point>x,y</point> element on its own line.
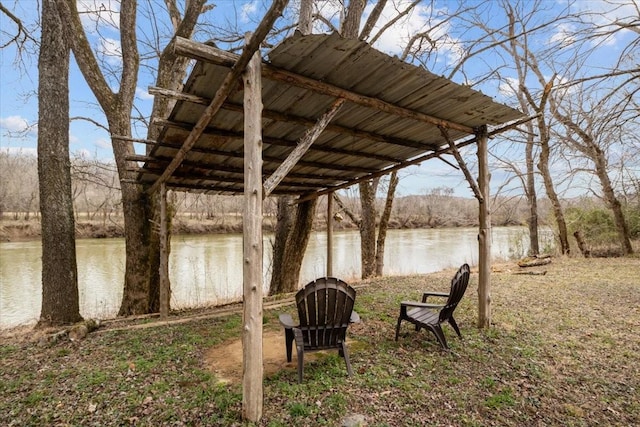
<point>228,85</point>
<point>304,143</point>
<point>330,234</point>
<point>252,393</point>
<point>165,292</point>
<point>484,235</point>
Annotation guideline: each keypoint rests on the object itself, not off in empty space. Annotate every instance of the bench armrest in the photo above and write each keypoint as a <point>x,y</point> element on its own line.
<point>355,317</point>
<point>434,294</point>
<point>420,304</point>
<point>287,321</point>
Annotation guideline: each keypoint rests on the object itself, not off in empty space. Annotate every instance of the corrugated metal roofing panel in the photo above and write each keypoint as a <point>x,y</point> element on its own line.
<point>360,140</point>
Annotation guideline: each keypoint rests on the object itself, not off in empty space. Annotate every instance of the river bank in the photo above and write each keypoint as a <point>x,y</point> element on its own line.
<point>551,357</point>
<point>12,230</point>
<point>204,268</point>
<point>21,230</point>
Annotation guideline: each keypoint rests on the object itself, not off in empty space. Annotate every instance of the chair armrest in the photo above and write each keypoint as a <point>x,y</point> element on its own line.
<point>355,317</point>
<point>287,321</point>
<point>420,304</point>
<point>434,294</point>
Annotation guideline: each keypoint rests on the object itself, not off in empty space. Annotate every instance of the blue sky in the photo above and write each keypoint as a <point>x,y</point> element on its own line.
<point>18,101</point>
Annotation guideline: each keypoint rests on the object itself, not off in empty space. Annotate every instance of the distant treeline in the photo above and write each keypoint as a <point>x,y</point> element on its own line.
<point>98,209</point>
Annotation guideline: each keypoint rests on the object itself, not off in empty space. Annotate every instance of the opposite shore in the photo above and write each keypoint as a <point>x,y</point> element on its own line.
<point>21,230</point>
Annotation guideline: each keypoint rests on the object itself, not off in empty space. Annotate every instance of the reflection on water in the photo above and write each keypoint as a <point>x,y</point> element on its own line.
<point>208,269</point>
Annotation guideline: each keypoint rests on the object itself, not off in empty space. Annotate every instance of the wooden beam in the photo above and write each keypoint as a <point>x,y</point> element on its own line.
<point>291,118</point>
<point>204,170</point>
<point>253,369</point>
<point>216,56</point>
<point>465,170</point>
<point>229,83</point>
<point>284,142</point>
<point>274,159</point>
<point>165,291</point>
<point>383,172</point>
<point>412,162</point>
<point>484,235</point>
<point>305,142</point>
<point>217,189</point>
<point>330,235</point>
<point>208,179</point>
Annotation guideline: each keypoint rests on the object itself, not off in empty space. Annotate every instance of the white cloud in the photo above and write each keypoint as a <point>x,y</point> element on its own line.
<point>395,38</point>
<point>609,14</point>
<point>82,153</point>
<point>508,86</point>
<point>564,35</point>
<point>248,9</point>
<point>99,14</point>
<point>421,19</point>
<point>143,94</point>
<point>14,124</point>
<point>103,143</point>
<point>110,49</point>
<point>330,10</point>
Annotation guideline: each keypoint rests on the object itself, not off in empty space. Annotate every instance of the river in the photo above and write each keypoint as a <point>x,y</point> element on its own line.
<point>207,269</point>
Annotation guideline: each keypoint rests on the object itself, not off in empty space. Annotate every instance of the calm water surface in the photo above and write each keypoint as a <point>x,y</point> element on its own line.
<point>207,269</point>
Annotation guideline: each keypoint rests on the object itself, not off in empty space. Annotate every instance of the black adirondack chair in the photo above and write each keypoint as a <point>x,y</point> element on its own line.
<point>325,310</point>
<point>431,316</point>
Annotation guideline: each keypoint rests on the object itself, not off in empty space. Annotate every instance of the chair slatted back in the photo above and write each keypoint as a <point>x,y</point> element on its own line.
<point>458,287</point>
<point>324,310</point>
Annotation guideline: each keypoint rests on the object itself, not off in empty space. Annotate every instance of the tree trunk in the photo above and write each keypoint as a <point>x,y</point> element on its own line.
<point>286,274</point>
<point>172,70</point>
<point>384,223</point>
<point>60,300</point>
<point>532,199</point>
<point>351,24</point>
<point>582,245</point>
<point>368,228</point>
<point>543,166</point>
<point>612,200</point>
<point>141,211</point>
<point>305,21</point>
<point>141,240</point>
<point>284,225</point>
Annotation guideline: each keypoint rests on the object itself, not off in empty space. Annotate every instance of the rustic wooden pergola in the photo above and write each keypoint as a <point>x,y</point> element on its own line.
<point>320,114</point>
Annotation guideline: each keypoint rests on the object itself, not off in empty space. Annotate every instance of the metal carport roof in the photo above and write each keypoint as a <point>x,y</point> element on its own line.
<point>394,112</point>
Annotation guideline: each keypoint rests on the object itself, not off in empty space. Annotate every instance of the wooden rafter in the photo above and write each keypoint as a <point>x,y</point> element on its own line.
<point>453,149</point>
<point>277,141</point>
<point>290,118</point>
<point>228,85</point>
<point>161,162</point>
<point>216,56</point>
<point>305,142</point>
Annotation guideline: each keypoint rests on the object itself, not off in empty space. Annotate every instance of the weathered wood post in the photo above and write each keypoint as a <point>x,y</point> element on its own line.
<point>252,393</point>
<point>165,292</point>
<point>484,235</point>
<point>330,234</point>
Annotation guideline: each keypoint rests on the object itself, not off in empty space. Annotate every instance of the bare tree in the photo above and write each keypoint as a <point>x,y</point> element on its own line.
<point>60,299</point>
<point>526,24</point>
<point>593,125</point>
<point>141,284</point>
<point>371,247</point>
<point>294,221</point>
<point>525,60</point>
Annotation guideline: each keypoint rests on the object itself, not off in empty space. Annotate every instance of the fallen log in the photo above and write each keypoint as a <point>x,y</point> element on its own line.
<point>534,262</point>
<point>532,273</point>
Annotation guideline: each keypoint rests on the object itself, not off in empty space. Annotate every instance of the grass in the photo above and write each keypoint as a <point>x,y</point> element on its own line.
<point>563,350</point>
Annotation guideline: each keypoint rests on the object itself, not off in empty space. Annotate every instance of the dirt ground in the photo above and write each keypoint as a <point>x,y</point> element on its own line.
<point>225,360</point>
